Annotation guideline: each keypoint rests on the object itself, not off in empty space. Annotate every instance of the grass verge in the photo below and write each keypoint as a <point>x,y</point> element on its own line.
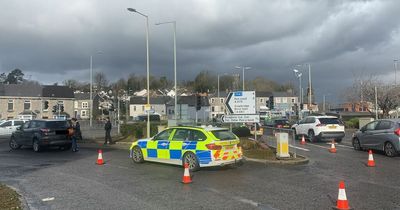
<point>9,199</point>
<point>253,150</point>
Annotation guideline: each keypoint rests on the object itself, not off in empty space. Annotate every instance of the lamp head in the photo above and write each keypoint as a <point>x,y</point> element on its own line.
<point>131,10</point>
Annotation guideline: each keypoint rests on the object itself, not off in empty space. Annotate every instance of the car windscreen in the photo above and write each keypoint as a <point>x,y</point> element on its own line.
<point>330,121</point>
<point>223,134</point>
<point>56,124</point>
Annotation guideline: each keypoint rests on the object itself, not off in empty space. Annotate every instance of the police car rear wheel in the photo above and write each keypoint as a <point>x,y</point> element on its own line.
<point>192,160</point>
<point>137,155</point>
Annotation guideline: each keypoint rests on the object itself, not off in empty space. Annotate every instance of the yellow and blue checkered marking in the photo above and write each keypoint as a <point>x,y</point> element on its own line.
<point>164,149</point>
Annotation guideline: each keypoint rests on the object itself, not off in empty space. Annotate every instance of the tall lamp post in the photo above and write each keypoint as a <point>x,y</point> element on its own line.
<point>91,89</point>
<point>147,56</point>
<point>176,91</point>
<point>298,74</point>
<point>243,68</point>
<point>395,71</point>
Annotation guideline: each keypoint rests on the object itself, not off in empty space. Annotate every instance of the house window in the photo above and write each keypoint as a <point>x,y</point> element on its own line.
<point>61,102</point>
<point>84,113</point>
<point>10,105</point>
<point>27,105</point>
<point>142,108</point>
<point>85,105</point>
<point>76,105</point>
<point>212,109</point>
<point>292,100</point>
<point>222,100</point>
<point>261,100</point>
<point>212,100</point>
<point>134,108</point>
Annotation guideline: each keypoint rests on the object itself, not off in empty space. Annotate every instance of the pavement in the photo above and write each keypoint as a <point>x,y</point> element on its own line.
<point>55,179</point>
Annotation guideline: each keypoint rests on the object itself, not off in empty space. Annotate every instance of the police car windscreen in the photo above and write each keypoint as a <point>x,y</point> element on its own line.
<point>223,134</point>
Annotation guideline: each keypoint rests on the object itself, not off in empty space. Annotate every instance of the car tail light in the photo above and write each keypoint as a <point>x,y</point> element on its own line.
<point>45,131</point>
<point>397,132</point>
<point>279,126</point>
<point>213,147</point>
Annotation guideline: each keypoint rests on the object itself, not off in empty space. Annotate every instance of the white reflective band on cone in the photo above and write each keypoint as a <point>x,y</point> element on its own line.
<point>342,195</point>
<point>186,173</point>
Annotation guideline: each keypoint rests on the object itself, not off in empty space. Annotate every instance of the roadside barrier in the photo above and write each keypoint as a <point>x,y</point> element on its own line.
<point>186,175</point>
<point>333,148</point>
<point>371,162</point>
<point>100,158</point>
<point>342,202</point>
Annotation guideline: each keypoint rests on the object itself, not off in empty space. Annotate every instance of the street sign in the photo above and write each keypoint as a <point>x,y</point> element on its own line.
<point>241,102</point>
<point>240,118</point>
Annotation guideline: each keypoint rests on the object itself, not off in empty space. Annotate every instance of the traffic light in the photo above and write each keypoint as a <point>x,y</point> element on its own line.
<point>61,108</point>
<point>198,102</point>
<point>271,102</point>
<point>46,105</point>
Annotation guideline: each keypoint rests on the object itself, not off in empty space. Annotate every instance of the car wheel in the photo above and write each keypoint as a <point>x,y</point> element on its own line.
<point>191,159</point>
<point>389,150</point>
<point>36,146</point>
<point>356,144</point>
<point>137,155</point>
<point>311,136</point>
<point>13,144</point>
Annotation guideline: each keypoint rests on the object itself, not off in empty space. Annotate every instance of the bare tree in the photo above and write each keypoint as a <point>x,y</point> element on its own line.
<point>100,81</point>
<point>363,93</point>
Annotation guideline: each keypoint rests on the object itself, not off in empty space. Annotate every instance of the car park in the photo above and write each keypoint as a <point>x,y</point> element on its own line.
<point>320,128</point>
<point>196,146</point>
<point>382,135</point>
<point>41,133</point>
<point>9,126</point>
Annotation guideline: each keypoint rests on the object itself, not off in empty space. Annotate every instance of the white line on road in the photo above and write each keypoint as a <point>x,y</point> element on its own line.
<point>340,145</point>
<point>300,148</point>
<point>48,199</point>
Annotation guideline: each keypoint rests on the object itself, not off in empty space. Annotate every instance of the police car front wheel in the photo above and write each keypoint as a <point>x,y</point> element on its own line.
<point>137,155</point>
<point>191,159</point>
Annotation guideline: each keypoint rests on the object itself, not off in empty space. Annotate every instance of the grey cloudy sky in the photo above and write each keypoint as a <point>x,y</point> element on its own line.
<point>52,40</point>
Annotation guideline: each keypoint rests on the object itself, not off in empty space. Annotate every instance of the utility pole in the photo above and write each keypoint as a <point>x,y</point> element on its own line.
<point>310,87</point>
<point>376,103</point>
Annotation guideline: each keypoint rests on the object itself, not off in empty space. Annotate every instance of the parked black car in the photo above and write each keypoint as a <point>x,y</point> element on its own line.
<point>41,133</point>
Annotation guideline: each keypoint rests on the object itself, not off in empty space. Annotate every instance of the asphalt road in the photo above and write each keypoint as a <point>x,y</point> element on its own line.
<point>70,180</point>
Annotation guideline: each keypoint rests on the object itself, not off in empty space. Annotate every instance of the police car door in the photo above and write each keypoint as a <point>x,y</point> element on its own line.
<point>179,143</point>
<point>158,147</point>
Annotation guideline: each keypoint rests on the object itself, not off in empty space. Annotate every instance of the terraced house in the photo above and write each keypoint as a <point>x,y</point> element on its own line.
<point>29,101</point>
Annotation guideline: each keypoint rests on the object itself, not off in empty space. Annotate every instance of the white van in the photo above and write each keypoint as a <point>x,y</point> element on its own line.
<point>9,126</point>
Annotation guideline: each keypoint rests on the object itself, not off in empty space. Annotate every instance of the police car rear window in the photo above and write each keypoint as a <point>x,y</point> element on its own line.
<point>223,134</point>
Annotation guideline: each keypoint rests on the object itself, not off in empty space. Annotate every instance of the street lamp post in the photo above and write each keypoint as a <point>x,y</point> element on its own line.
<point>176,91</point>
<point>148,74</point>
<point>298,75</point>
<point>243,68</point>
<point>395,71</point>
<point>91,89</point>
<point>310,88</point>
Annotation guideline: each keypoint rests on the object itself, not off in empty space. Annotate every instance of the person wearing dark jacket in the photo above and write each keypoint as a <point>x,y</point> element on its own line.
<point>108,127</point>
<point>75,134</point>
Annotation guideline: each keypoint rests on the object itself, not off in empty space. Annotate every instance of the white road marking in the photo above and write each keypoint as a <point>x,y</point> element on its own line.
<point>300,148</point>
<point>48,199</point>
<point>345,146</point>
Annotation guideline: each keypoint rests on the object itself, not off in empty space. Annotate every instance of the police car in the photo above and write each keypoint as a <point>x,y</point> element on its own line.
<point>197,146</point>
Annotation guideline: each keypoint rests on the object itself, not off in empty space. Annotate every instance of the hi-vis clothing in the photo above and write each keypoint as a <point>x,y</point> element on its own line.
<point>170,145</point>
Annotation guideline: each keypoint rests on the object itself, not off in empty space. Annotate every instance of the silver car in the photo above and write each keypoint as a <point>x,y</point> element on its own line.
<point>383,135</point>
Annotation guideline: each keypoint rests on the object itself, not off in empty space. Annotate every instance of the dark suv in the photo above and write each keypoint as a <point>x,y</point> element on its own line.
<point>41,133</point>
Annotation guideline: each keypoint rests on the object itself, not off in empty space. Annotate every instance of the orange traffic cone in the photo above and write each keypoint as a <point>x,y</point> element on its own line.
<point>303,140</point>
<point>186,176</point>
<point>371,162</point>
<point>333,148</point>
<point>100,158</point>
<point>342,202</point>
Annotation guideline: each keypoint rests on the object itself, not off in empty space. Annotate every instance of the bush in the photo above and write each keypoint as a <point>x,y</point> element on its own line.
<point>138,130</point>
<point>352,123</point>
<point>241,131</point>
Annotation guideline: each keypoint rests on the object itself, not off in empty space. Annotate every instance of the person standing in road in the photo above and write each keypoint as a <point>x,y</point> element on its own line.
<point>107,127</point>
<point>76,130</point>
